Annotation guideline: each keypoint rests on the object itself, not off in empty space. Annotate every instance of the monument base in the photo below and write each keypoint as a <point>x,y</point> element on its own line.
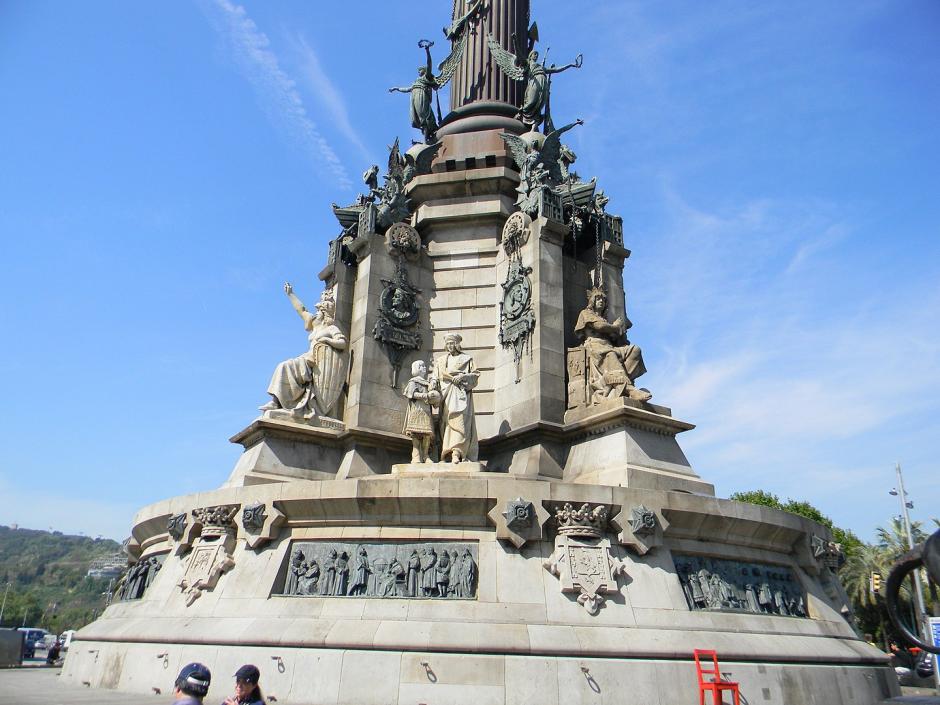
<point>518,629</point>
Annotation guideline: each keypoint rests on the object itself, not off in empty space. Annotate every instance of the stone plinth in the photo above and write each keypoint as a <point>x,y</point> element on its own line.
<point>521,637</point>
<point>281,451</point>
<point>463,469</point>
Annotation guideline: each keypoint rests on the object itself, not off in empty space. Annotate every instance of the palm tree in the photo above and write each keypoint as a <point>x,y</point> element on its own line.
<point>894,539</point>
<point>856,573</point>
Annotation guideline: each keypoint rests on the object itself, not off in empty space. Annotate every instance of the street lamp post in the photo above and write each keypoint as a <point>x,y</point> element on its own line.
<point>3,606</point>
<point>901,494</point>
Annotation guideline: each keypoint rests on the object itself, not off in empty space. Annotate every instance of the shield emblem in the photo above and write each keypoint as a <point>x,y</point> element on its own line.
<point>329,374</point>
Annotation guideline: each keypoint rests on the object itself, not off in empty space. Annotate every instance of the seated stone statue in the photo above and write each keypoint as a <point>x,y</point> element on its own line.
<point>309,386</point>
<point>613,362</point>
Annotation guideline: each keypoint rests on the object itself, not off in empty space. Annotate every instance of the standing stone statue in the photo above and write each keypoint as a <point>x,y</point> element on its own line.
<point>536,75</point>
<point>614,363</point>
<point>309,386</point>
<point>419,419</point>
<point>456,376</point>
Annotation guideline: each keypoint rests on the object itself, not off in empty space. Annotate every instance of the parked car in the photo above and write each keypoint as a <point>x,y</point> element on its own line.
<point>33,638</point>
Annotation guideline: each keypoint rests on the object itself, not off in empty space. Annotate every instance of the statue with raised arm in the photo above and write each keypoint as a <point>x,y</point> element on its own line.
<point>309,386</point>
<point>422,90</point>
<point>537,77</point>
<point>422,108</point>
<point>613,362</point>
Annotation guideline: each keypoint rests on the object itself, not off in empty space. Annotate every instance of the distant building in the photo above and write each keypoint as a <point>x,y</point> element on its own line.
<point>108,567</point>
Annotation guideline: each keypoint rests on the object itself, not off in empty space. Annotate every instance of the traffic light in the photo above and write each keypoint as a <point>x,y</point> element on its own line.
<point>875,582</point>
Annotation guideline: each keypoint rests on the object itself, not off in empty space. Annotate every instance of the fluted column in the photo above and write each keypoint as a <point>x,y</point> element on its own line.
<point>479,78</point>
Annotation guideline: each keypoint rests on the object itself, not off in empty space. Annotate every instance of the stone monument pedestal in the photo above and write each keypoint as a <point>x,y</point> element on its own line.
<point>477,295</point>
<point>532,624</point>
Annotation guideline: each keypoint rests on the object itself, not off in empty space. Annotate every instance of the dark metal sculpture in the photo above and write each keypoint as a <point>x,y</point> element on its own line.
<point>729,585</point>
<point>520,514</point>
<point>139,577</point>
<point>422,90</point>
<point>253,516</point>
<point>395,327</point>
<point>440,570</point>
<point>535,104</point>
<point>176,525</point>
<point>642,521</point>
<point>927,556</point>
<point>541,166</point>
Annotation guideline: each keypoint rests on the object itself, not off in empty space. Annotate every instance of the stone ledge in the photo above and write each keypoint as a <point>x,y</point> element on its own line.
<point>494,638</point>
<point>455,470</point>
<point>292,431</point>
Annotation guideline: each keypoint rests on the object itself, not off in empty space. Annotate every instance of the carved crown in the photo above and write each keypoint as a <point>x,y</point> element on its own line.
<point>589,521</point>
<point>216,520</point>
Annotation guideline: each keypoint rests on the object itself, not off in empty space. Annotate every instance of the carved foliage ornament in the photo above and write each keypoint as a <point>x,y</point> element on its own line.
<point>403,240</point>
<point>642,521</point>
<point>519,514</point>
<point>261,523</point>
<point>827,553</point>
<point>253,516</point>
<point>516,232</point>
<point>176,526</point>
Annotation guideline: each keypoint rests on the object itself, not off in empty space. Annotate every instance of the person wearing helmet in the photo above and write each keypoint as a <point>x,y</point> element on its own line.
<point>191,685</point>
<point>247,691</point>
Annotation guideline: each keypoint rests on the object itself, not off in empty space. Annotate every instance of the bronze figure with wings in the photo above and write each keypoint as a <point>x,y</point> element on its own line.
<point>537,77</point>
<point>422,110</point>
<point>541,165</point>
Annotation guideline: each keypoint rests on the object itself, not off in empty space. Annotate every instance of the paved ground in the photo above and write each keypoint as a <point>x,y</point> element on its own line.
<point>42,686</point>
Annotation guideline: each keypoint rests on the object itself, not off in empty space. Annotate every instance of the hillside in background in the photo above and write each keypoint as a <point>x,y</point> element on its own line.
<point>46,574</point>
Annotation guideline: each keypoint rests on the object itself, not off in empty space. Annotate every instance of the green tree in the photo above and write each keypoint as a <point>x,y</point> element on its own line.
<point>849,541</point>
<point>893,538</point>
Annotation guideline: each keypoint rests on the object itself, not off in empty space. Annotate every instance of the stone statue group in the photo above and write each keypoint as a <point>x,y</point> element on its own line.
<point>426,572</point>
<point>439,416</point>
<point>138,578</point>
<point>439,419</point>
<point>712,585</point>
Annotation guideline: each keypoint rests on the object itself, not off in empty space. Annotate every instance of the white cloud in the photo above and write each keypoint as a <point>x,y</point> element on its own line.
<point>278,92</point>
<point>327,94</point>
<point>803,378</point>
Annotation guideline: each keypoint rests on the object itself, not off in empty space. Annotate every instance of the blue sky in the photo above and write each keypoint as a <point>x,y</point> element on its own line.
<point>166,166</point>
